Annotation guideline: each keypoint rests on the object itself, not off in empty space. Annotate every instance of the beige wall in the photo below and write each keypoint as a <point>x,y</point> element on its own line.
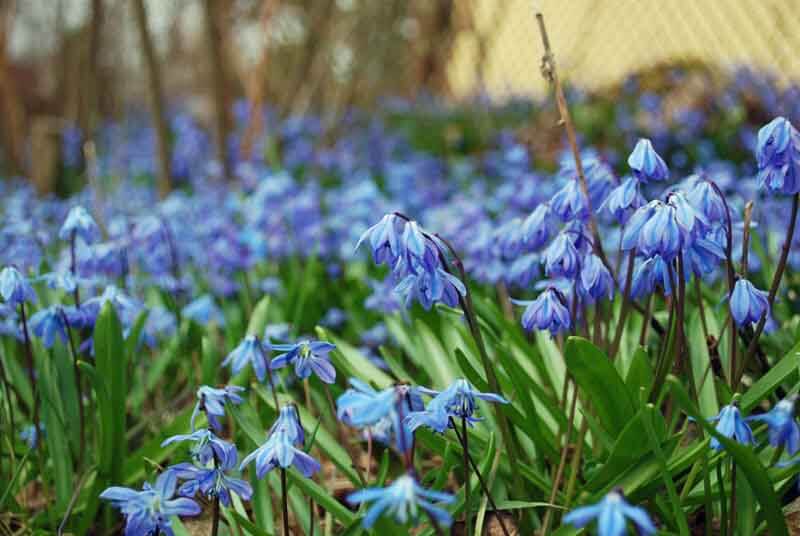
<point>597,42</point>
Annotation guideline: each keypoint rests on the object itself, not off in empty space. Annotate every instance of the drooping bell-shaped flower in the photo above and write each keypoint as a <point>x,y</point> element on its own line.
<point>778,156</point>
<point>252,351</point>
<point>561,258</point>
<point>79,223</point>
<point>596,281</point>
<point>458,401</point>
<point>612,514</point>
<point>748,304</point>
<point>547,312</point>
<point>646,164</point>
<point>731,425</point>
<point>15,288</point>
<point>623,200</point>
<point>783,430</point>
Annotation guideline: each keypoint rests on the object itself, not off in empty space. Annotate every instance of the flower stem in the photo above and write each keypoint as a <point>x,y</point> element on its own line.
<point>723,525</point>
<point>623,313</point>
<point>482,482</point>
<point>215,518</point>
<point>73,267</point>
<point>31,372</point>
<point>773,289</point>
<point>285,503</point>
<point>78,387</point>
<point>465,448</point>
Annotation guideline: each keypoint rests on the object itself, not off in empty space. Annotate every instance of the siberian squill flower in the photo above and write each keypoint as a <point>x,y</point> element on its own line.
<point>65,281</point>
<point>148,512</point>
<point>384,239</point>
<point>402,500</point>
<point>707,200</point>
<point>748,304</point>
<point>663,229</point>
<point>457,401</point>
<point>307,357</point>
<point>380,413</point>
<point>536,228</point>
<point>429,287</point>
<point>251,350</point>
<point>561,258</point>
<point>612,514</point>
<point>623,200</point>
<point>205,445</point>
<point>596,280</point>
<point>213,481</point>
<point>203,310</point>
<point>15,288</point>
<point>650,273</point>
<point>280,450</point>
<point>569,202</point>
<point>646,164</point>
<point>212,400</point>
<point>79,223</point>
<point>48,323</point>
<point>30,435</point>
<point>547,312</point>
<point>731,425</point>
<point>783,429</point>
<point>778,156</point>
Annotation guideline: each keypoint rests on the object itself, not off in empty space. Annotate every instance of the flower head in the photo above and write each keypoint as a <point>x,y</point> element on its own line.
<point>48,323</point>
<point>308,357</point>
<point>279,450</point>
<point>536,228</point>
<point>778,155</point>
<point>148,511</point>
<point>79,223</point>
<point>252,351</point>
<point>211,401</point>
<point>748,304</point>
<point>15,288</point>
<point>429,287</point>
<point>646,164</point>
<point>623,200</point>
<point>612,514</point>
<point>213,481</point>
<point>596,280</point>
<point>205,445</point>
<point>402,500</point>
<point>384,239</point>
<point>203,310</point>
<point>561,258</point>
<point>731,425</point>
<point>569,202</point>
<point>457,401</point>
<point>547,312</point>
<point>783,429</point>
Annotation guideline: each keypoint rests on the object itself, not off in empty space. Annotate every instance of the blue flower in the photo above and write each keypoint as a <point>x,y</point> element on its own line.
<point>308,357</point>
<point>384,240</point>
<point>536,228</point>
<point>206,446</point>
<point>203,310</point>
<point>212,401</point>
<point>778,156</point>
<point>279,450</point>
<point>646,164</point>
<point>707,200</point>
<point>623,200</point>
<point>748,304</point>
<point>547,312</point>
<point>14,287</point>
<point>612,515</point>
<point>79,223</point>
<point>569,202</point>
<point>561,258</point>
<point>252,351</point>
<point>60,280</point>
<point>380,413</point>
<point>213,481</point>
<point>429,287</point>
<point>47,323</point>
<point>596,280</point>
<point>663,229</point>
<point>289,419</point>
<point>457,401</point>
<point>402,500</point>
<point>731,425</point>
<point>30,435</point>
<point>649,274</point>
<point>783,429</point>
<point>148,511</point>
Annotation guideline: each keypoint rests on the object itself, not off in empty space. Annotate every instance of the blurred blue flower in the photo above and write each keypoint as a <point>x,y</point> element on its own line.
<point>211,401</point>
<point>778,156</point>
<point>65,281</point>
<point>79,223</point>
<point>15,288</point>
<point>148,512</point>
<point>783,430</point>
<point>561,258</point>
<point>429,287</point>
<point>536,228</point>
<point>251,350</point>
<point>748,304</point>
<point>707,200</point>
<point>203,310</point>
<point>402,500</point>
<point>457,401</point>
<point>646,164</point>
<point>308,357</point>
<point>612,514</point>
<point>48,323</point>
<point>731,425</point>
<point>30,435</point>
<point>384,240</point>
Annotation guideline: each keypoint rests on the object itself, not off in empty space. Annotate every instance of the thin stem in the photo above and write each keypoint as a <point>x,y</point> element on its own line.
<point>748,216</point>
<point>679,348</point>
<point>773,289</point>
<point>31,371</point>
<point>623,314</point>
<point>575,464</point>
<point>482,482</point>
<point>270,380</point>
<point>723,525</point>
<point>215,518</point>
<point>436,528</point>
<point>285,503</point>
<point>562,462</point>
<point>465,463</point>
<point>701,307</point>
<point>78,386</point>
<point>73,268</point>
<point>732,513</point>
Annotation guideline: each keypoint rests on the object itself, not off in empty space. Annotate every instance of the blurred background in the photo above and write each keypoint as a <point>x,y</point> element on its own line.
<point>71,68</point>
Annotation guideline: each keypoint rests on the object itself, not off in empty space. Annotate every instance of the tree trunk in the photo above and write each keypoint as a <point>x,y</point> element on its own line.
<point>219,84</point>
<point>156,92</point>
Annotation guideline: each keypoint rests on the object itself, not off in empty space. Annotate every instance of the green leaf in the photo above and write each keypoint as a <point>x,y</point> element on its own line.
<point>258,320</point>
<point>767,383</point>
<point>701,366</point>
<point>350,361</point>
<point>746,461</point>
<point>640,373</point>
<point>321,497</point>
<point>600,381</point>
